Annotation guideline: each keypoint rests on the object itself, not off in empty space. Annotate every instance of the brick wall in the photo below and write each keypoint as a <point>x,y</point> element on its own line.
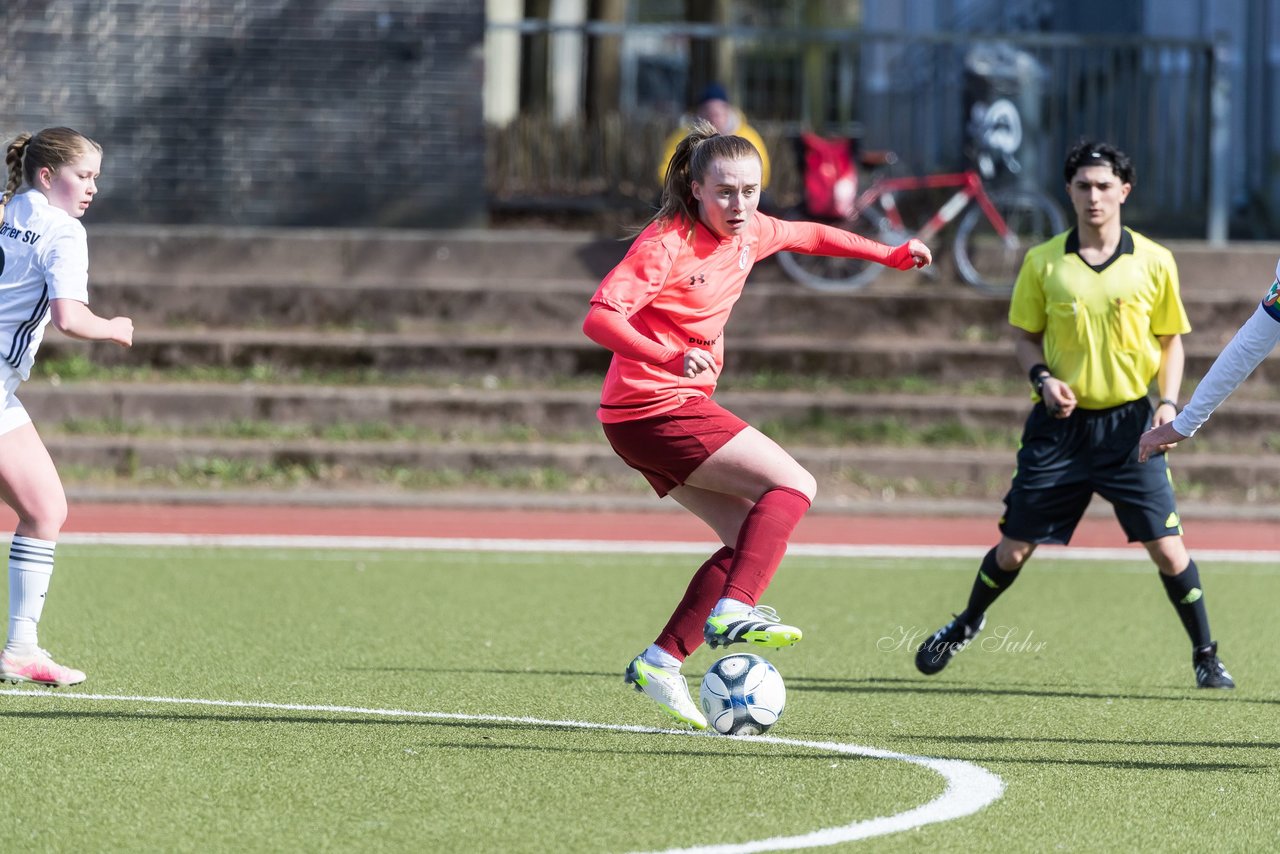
<point>272,112</point>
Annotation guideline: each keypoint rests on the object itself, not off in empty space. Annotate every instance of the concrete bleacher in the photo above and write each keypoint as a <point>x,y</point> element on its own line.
<point>419,367</point>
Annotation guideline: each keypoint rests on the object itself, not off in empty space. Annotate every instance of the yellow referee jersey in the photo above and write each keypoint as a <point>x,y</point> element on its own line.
<point>1100,325</point>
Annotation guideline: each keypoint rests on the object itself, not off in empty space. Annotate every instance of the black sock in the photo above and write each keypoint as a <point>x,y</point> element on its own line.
<point>1185,593</point>
<point>987,587</point>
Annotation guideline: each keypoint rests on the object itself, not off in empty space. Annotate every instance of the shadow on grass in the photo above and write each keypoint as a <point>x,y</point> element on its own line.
<point>483,742</point>
<point>492,672</point>
<point>1120,742</point>
<point>1128,764</point>
<point>887,685</point>
<point>919,686</point>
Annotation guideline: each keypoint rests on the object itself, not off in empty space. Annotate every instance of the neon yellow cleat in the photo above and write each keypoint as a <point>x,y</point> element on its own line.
<point>759,627</point>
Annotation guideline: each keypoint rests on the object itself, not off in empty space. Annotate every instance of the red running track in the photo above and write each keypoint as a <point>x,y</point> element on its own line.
<point>817,528</point>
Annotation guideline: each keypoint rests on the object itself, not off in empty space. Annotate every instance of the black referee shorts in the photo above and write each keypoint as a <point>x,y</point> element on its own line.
<point>1062,462</point>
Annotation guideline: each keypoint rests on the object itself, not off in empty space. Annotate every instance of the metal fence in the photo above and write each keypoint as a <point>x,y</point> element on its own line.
<point>1164,101</point>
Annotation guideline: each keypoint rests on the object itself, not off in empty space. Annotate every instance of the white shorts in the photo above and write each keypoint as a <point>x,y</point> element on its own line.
<point>13,415</point>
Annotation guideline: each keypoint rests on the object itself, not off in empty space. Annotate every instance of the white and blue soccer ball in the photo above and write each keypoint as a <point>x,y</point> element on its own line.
<point>742,694</point>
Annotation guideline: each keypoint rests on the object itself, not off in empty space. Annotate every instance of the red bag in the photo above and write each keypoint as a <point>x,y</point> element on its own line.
<point>830,176</point>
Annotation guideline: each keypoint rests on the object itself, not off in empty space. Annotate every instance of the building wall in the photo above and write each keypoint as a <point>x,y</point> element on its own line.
<point>273,112</point>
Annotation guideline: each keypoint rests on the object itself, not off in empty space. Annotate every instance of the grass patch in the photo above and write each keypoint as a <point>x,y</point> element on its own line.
<point>78,368</point>
<point>908,384</point>
<point>814,428</point>
<point>818,427</point>
<point>333,432</point>
<point>221,473</point>
<point>1076,703</point>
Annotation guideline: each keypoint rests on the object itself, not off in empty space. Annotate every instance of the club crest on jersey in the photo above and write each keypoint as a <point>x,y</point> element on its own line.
<point>743,256</point>
<point>1273,294</point>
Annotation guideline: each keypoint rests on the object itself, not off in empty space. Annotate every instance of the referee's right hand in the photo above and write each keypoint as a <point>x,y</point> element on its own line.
<point>1059,399</point>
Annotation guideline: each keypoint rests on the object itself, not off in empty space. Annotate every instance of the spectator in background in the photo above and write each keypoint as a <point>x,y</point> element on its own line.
<point>45,276</point>
<point>713,106</point>
<point>662,311</point>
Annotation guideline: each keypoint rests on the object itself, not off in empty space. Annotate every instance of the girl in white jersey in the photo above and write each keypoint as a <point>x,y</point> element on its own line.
<point>1251,344</point>
<point>44,272</point>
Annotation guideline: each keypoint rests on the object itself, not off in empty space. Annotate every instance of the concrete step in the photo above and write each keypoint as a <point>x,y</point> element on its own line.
<point>848,473</point>
<point>192,407</point>
<point>542,355</point>
<point>442,305</point>
<point>223,302</point>
<point>187,254</point>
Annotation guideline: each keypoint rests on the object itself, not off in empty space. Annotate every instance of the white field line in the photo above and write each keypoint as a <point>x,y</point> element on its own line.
<point>969,787</point>
<point>586,546</point>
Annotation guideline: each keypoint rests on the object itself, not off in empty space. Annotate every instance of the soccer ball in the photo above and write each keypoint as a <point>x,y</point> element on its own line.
<point>742,694</point>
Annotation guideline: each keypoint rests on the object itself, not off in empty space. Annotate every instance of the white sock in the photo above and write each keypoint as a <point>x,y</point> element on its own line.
<point>730,606</point>
<point>30,568</point>
<point>659,657</point>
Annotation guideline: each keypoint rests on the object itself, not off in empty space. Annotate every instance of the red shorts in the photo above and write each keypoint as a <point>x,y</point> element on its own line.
<point>667,448</point>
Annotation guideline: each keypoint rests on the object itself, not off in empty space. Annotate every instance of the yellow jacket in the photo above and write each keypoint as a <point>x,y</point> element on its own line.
<point>743,130</point>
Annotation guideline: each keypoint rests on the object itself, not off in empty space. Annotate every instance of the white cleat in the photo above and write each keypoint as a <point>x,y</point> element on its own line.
<point>668,689</point>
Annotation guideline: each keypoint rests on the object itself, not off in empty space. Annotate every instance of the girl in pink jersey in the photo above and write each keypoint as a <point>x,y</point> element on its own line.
<point>662,311</point>
<point>44,272</point>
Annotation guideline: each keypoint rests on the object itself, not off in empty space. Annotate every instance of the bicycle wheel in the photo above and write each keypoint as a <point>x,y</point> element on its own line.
<point>824,273</point>
<point>991,263</point>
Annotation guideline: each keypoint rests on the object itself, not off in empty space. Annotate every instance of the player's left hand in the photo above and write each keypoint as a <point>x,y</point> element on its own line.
<point>1157,440</point>
<point>919,253</point>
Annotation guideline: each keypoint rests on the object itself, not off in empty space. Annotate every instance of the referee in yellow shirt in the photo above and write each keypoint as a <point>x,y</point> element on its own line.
<point>1098,318</point>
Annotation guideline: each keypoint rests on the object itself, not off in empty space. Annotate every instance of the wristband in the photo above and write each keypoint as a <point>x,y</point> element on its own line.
<point>1172,403</point>
<point>1038,374</point>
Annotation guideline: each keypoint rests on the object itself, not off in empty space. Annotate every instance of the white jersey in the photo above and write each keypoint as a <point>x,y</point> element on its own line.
<point>44,255</point>
<point>1251,344</point>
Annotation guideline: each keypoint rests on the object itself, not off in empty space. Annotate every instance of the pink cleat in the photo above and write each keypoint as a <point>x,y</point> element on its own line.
<point>38,668</point>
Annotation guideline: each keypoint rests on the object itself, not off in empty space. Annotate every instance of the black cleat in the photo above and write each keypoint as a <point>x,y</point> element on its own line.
<point>936,652</point>
<point>1210,671</point>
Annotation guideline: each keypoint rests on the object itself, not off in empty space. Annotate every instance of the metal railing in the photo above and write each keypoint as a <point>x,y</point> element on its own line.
<point>1165,101</point>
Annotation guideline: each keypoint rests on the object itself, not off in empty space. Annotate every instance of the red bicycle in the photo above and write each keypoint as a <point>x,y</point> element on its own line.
<point>995,229</point>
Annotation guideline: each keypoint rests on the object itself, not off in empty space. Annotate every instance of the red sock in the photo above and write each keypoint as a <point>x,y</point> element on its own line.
<point>763,541</point>
<point>683,632</point>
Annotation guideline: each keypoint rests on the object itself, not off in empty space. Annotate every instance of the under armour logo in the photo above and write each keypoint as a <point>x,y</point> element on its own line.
<point>697,281</point>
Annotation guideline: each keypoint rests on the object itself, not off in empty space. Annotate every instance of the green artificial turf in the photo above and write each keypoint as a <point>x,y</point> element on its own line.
<point>1079,696</point>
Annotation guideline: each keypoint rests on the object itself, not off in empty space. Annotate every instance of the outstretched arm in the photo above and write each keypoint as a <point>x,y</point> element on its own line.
<point>1251,344</point>
<point>76,320</point>
<point>815,238</point>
